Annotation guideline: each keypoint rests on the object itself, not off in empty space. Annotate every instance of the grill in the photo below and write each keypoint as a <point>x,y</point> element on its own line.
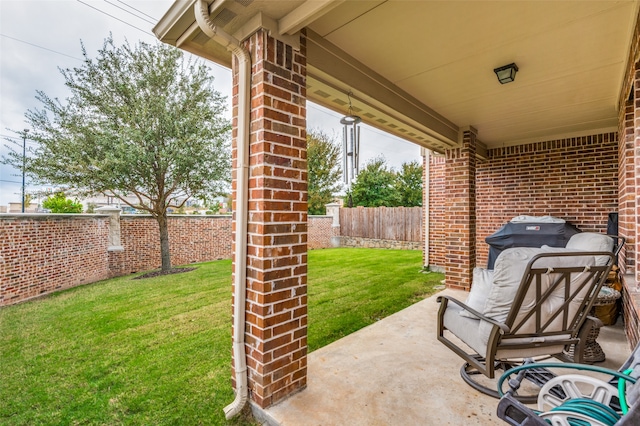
<point>529,232</point>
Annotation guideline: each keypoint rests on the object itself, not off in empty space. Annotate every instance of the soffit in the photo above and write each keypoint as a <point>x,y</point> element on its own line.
<point>426,66</point>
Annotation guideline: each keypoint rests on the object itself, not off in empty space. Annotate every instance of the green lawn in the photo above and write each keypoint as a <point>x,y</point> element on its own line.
<point>158,351</point>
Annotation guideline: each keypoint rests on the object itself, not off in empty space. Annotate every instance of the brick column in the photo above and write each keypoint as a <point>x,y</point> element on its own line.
<point>114,243</point>
<point>626,188</point>
<point>460,207</point>
<point>636,149</point>
<point>276,308</point>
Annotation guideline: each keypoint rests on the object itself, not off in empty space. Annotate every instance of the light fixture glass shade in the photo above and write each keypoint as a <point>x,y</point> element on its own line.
<point>507,73</point>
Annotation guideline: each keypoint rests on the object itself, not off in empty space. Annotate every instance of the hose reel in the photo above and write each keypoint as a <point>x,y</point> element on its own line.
<point>577,400</point>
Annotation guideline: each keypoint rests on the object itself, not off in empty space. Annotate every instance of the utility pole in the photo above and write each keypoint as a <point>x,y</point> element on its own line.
<point>24,158</point>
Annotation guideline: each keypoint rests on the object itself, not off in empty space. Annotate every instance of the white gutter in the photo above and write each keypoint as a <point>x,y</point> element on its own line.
<point>201,11</point>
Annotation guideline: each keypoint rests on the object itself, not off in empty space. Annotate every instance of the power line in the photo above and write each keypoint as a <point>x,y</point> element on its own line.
<point>117,19</point>
<point>19,143</point>
<point>9,137</point>
<point>138,10</point>
<point>40,47</point>
<point>101,11</point>
<point>129,12</point>
<point>16,140</point>
<point>95,8</point>
<point>140,29</point>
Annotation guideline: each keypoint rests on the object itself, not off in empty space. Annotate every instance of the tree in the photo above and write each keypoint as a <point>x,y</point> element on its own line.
<point>91,207</point>
<point>28,198</point>
<point>140,121</point>
<point>214,208</point>
<point>59,203</point>
<point>324,173</point>
<point>409,184</point>
<point>375,186</point>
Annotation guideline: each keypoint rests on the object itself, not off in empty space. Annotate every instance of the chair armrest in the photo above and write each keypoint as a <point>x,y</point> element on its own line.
<point>504,328</point>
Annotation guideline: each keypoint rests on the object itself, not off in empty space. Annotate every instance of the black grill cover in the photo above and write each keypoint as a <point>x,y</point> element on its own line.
<point>529,234</point>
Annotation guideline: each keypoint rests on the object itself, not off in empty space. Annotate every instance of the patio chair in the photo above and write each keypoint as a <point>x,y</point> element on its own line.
<point>534,303</point>
<point>570,399</point>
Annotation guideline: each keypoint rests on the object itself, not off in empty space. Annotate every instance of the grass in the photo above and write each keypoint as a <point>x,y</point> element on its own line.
<point>352,288</point>
<point>158,351</point>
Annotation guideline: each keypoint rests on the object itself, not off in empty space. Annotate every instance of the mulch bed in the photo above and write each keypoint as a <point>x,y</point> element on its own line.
<point>161,272</point>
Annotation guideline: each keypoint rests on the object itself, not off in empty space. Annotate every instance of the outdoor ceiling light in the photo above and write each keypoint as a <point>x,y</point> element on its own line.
<point>507,73</point>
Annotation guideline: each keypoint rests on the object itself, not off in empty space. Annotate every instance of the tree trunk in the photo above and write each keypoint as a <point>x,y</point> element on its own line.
<point>164,241</point>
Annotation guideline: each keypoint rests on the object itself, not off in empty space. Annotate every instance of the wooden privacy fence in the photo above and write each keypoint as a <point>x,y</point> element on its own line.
<point>382,223</point>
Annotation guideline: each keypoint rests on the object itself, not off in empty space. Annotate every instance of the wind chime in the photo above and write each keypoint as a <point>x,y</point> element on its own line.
<point>350,146</point>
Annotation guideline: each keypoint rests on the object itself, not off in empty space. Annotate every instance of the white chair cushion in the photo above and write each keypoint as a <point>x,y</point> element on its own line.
<point>591,241</point>
<point>464,328</point>
<point>508,272</point>
<point>557,298</point>
<point>482,280</point>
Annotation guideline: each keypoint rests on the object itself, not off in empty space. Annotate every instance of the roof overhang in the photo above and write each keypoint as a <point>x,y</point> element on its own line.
<point>424,70</point>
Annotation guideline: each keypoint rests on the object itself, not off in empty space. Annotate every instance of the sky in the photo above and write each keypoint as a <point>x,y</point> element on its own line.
<point>38,37</point>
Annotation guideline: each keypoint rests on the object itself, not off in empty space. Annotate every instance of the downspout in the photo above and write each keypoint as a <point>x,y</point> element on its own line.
<point>201,11</point>
<point>426,189</point>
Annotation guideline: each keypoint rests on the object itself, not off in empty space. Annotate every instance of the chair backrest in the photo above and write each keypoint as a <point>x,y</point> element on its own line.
<point>593,241</point>
<point>555,295</point>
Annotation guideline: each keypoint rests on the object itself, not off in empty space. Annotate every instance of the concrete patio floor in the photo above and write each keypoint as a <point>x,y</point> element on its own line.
<point>395,372</point>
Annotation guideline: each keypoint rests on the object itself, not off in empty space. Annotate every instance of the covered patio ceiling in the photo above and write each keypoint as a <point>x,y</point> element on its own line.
<point>423,70</point>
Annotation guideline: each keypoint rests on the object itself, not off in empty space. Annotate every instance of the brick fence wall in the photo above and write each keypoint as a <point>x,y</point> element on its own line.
<point>191,239</point>
<point>320,232</point>
<point>40,254</point>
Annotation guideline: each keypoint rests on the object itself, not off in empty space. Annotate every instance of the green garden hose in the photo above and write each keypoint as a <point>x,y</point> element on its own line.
<point>583,406</point>
<point>622,395</point>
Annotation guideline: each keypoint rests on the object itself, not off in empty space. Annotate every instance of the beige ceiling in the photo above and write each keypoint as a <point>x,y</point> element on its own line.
<point>423,70</point>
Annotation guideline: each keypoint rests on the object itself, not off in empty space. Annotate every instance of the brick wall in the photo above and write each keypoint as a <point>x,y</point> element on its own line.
<point>40,254</point>
<point>45,253</point>
<point>437,217</point>
<point>574,179</point>
<point>191,239</point>
<point>626,188</point>
<point>320,232</point>
<point>630,304</point>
